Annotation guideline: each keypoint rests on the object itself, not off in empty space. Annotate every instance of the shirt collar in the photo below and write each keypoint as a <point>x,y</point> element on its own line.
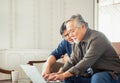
<point>87,34</point>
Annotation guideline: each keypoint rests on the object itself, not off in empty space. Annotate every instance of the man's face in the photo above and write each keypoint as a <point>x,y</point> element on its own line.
<point>74,32</point>
<point>66,36</point>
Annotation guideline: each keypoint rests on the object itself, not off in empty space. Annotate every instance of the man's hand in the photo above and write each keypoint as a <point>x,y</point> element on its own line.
<point>59,76</point>
<point>55,76</point>
<point>47,66</point>
<point>46,76</point>
<point>46,73</point>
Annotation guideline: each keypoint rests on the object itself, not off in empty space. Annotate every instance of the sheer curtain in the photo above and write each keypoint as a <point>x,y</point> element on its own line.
<point>109,19</point>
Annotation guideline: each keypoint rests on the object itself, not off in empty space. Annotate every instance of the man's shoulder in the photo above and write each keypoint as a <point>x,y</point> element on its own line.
<point>64,41</point>
<point>95,33</point>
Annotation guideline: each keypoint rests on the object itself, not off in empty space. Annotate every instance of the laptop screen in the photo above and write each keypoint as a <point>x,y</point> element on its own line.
<point>34,75</point>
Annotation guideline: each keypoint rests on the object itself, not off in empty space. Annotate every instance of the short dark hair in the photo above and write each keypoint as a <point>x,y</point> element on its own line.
<point>62,28</point>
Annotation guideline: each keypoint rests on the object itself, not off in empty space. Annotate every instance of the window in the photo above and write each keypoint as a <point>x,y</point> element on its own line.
<point>109,19</point>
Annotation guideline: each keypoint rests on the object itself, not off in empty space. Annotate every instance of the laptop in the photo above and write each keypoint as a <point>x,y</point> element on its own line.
<point>34,75</point>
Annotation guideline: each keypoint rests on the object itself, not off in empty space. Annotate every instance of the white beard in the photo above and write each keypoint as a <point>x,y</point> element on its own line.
<point>72,42</point>
<point>76,41</point>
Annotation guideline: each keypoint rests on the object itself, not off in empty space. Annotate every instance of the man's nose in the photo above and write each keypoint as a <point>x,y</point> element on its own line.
<point>70,35</point>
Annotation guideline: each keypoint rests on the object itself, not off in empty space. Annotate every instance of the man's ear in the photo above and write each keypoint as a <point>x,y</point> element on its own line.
<point>82,26</point>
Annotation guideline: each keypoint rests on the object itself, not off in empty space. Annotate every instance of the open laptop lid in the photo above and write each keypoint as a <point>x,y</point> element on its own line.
<point>33,73</point>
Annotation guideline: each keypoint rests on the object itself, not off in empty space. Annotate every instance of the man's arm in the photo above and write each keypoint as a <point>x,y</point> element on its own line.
<point>67,74</point>
<point>60,50</point>
<point>51,59</point>
<point>56,54</point>
<point>59,76</point>
<point>70,62</point>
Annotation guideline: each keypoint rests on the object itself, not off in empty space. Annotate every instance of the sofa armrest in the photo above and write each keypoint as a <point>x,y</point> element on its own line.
<point>116,46</point>
<point>33,62</point>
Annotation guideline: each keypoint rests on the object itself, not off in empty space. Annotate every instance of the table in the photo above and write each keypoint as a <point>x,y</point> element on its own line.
<point>19,81</point>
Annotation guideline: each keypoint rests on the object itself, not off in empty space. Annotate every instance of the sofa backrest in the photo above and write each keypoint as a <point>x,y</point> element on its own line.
<point>116,46</point>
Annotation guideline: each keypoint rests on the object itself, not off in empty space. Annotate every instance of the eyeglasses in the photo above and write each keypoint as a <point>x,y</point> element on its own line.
<point>67,35</point>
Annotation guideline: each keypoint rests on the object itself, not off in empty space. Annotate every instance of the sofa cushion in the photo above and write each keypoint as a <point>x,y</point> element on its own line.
<point>116,46</point>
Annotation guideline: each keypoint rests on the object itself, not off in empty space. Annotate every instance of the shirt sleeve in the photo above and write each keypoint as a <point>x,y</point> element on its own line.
<point>70,62</point>
<point>60,50</point>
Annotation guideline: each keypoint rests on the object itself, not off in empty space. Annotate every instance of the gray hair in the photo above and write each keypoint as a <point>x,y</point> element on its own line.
<point>79,20</point>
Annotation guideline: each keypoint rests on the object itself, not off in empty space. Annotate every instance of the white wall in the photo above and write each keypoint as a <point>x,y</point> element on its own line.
<point>29,29</point>
<point>4,24</point>
<point>34,24</point>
